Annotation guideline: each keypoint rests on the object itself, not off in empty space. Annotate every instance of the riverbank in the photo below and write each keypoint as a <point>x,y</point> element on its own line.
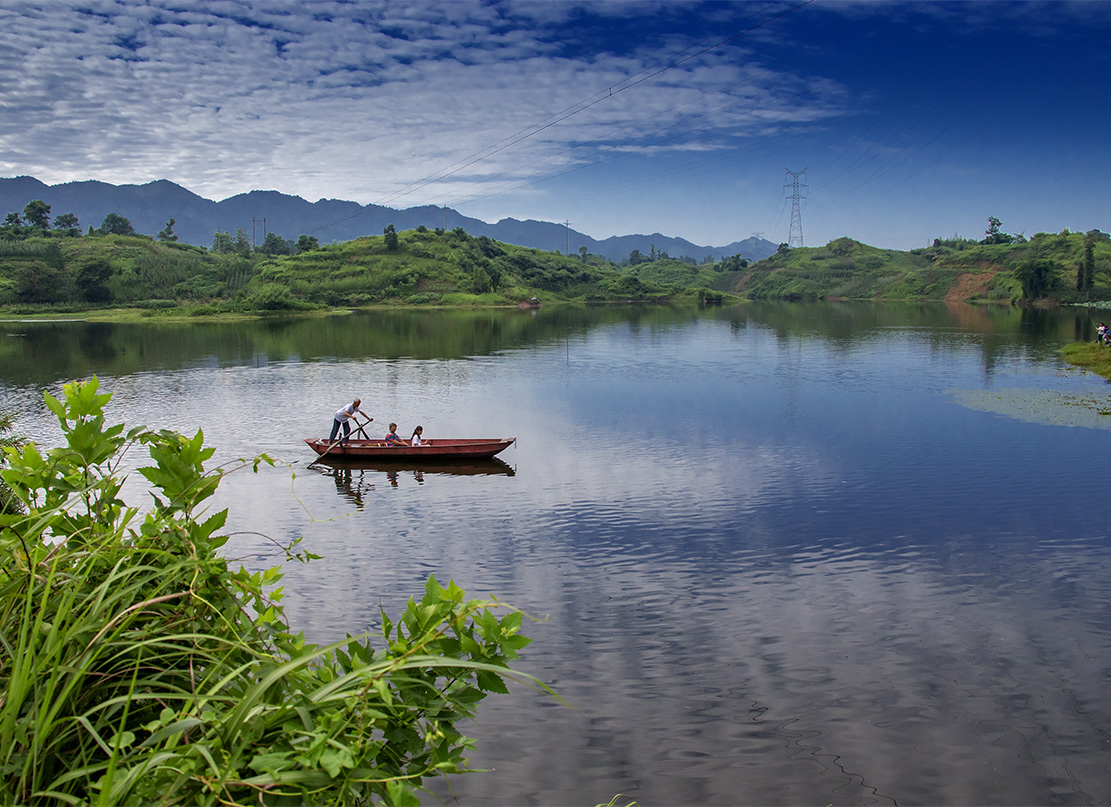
<point>1089,355</point>
<point>148,316</point>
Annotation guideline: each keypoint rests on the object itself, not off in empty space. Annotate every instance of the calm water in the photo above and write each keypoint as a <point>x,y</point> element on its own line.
<point>785,554</point>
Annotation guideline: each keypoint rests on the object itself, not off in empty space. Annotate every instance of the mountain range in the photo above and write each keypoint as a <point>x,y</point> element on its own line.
<point>196,220</point>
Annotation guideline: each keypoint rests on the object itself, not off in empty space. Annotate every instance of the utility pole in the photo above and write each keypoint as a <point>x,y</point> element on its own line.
<point>566,237</point>
<point>798,190</point>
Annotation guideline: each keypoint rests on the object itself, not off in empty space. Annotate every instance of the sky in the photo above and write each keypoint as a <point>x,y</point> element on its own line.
<point>903,121</point>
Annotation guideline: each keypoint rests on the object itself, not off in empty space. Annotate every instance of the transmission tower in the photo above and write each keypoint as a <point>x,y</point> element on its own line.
<point>798,191</point>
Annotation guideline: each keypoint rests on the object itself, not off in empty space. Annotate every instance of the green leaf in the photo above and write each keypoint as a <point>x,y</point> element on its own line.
<point>401,795</point>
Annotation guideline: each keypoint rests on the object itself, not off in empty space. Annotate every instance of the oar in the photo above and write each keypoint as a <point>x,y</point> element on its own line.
<point>359,428</point>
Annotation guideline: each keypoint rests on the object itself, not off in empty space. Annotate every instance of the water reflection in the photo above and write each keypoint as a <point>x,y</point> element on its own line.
<point>37,352</point>
<point>787,554</point>
<point>355,477</point>
<point>351,483</point>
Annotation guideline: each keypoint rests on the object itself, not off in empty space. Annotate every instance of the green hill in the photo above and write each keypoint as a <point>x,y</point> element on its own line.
<point>416,267</point>
<point>1043,267</point>
<point>52,271</point>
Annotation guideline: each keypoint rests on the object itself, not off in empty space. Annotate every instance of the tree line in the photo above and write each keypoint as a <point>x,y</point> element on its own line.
<point>35,222</point>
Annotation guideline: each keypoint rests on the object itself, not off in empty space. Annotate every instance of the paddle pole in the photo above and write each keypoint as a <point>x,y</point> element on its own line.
<point>359,428</point>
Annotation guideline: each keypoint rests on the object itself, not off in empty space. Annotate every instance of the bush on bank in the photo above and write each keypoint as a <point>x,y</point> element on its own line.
<point>140,669</point>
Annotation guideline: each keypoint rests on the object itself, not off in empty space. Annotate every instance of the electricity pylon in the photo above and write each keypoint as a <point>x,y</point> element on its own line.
<point>798,190</point>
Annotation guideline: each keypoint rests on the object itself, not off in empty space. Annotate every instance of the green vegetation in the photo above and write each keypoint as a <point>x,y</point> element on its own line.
<point>57,270</point>
<point>8,439</point>
<point>1002,268</point>
<point>140,669</point>
<point>42,271</point>
<point>1089,355</point>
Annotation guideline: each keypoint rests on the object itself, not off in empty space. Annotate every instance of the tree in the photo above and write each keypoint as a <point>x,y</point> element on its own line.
<point>307,243</point>
<point>92,281</point>
<point>115,224</point>
<point>37,214</point>
<point>241,244</point>
<point>783,249</point>
<point>40,282</point>
<point>1037,276</point>
<point>480,279</point>
<point>167,233</point>
<point>994,235</point>
<point>734,263</point>
<point>1086,272</point>
<point>391,238</point>
<point>274,244</point>
<point>12,228</point>
<point>494,271</point>
<point>67,224</point>
<point>221,242</point>
<point>582,253</point>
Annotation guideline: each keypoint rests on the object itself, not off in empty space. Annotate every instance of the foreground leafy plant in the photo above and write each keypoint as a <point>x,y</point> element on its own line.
<point>8,502</point>
<point>138,668</point>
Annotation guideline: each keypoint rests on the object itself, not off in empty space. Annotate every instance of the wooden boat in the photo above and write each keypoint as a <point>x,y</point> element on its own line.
<point>437,450</point>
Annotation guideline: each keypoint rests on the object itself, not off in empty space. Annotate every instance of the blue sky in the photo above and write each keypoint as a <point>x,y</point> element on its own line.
<point>912,121</point>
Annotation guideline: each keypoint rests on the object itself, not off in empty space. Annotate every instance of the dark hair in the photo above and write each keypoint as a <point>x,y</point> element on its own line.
<point>417,429</point>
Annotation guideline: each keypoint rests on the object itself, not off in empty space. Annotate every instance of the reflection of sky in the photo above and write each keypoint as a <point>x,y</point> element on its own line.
<point>775,568</point>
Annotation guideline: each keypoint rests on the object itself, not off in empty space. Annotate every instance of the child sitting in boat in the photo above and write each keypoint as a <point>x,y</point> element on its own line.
<point>418,437</point>
<point>392,439</point>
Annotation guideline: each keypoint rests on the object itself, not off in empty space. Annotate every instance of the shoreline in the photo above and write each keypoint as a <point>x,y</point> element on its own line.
<point>1090,356</point>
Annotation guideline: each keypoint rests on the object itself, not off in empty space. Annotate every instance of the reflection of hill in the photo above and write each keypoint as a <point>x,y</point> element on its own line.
<point>43,352</point>
<point>998,329</point>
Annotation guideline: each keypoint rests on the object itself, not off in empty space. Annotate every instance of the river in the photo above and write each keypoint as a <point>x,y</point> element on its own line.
<point>835,553</point>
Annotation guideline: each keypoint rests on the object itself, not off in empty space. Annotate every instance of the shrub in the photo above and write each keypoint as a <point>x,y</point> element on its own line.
<point>139,668</point>
<point>273,297</point>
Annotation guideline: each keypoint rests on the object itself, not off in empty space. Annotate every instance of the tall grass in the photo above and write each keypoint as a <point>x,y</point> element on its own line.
<point>139,668</point>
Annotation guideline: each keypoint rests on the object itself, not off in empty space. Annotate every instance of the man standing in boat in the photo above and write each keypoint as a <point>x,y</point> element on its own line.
<point>343,418</point>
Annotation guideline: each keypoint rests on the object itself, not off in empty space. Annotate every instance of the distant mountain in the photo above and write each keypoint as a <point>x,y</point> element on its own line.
<point>148,207</point>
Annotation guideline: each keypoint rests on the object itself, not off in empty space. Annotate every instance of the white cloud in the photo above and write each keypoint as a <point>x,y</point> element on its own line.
<point>327,99</point>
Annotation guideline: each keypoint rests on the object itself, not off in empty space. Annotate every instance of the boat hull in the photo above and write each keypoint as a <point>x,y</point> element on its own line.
<point>438,450</point>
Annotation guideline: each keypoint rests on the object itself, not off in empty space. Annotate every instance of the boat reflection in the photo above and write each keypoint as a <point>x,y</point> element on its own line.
<point>354,477</point>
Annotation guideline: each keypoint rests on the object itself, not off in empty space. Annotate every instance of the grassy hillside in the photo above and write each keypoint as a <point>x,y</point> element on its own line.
<point>451,268</point>
<point>417,267</point>
<point>437,268</point>
<point>952,269</point>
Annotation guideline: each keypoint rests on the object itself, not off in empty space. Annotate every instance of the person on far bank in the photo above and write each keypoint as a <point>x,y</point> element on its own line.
<point>1101,334</point>
<point>343,418</point>
<point>392,439</point>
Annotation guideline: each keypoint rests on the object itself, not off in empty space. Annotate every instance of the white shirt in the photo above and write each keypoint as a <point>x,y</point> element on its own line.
<point>347,411</point>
